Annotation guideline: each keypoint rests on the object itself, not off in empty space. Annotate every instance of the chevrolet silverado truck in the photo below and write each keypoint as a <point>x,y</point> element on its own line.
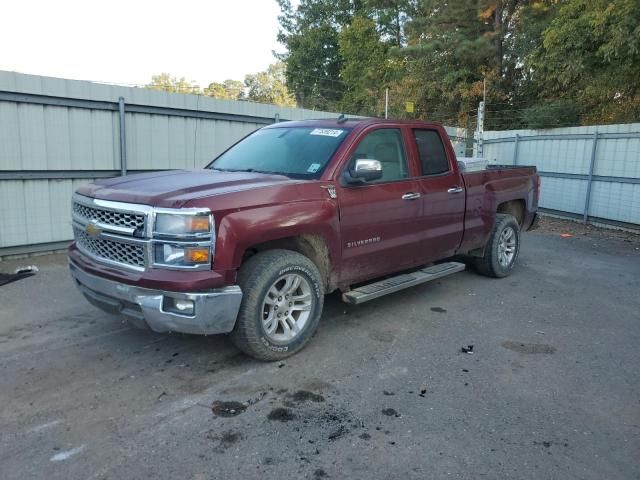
<point>250,245</point>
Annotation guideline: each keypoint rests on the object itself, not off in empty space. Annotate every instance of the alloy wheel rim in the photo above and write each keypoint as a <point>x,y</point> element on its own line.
<point>286,308</point>
<point>507,247</point>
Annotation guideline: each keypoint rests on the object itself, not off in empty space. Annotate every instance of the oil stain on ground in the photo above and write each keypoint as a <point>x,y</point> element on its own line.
<point>529,347</point>
<point>390,412</point>
<point>305,396</point>
<point>227,409</point>
<point>225,439</point>
<point>281,415</point>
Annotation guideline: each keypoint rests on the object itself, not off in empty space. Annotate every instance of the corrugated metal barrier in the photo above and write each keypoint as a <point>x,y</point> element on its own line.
<point>56,134</point>
<point>590,172</point>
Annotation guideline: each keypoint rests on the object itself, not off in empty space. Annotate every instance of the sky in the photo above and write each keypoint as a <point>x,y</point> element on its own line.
<point>128,41</point>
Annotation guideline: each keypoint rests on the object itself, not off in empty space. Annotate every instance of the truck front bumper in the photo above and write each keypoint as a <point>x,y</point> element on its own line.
<point>214,311</point>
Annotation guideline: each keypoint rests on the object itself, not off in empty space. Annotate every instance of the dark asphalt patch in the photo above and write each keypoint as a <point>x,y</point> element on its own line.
<point>529,348</point>
<point>305,396</point>
<point>342,430</point>
<point>390,412</point>
<point>225,439</point>
<point>281,415</point>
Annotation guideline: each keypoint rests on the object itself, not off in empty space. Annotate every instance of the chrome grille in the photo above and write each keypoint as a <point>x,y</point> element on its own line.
<point>110,217</point>
<point>124,253</point>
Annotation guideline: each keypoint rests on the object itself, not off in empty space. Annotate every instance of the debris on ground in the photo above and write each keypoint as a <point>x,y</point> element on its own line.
<point>26,269</point>
<point>566,235</point>
<point>468,349</point>
<point>577,229</point>
<point>227,409</point>
<point>423,389</point>
<point>18,274</point>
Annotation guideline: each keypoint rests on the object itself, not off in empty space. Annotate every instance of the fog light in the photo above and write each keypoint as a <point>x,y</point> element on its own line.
<point>179,306</point>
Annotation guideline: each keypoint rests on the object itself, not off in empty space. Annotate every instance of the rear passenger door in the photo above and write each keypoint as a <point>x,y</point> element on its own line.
<point>443,196</point>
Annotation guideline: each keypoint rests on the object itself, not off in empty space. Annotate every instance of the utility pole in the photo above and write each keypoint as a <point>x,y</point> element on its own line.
<point>480,129</point>
<point>386,103</point>
<point>480,126</point>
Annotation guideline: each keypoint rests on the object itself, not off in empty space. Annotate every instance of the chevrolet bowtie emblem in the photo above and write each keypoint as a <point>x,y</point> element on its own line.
<point>92,230</point>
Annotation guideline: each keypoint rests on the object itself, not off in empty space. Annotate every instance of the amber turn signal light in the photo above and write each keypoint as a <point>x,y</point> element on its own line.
<point>199,224</point>
<point>197,254</point>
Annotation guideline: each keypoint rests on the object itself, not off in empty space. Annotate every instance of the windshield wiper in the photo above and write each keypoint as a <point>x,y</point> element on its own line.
<point>247,170</point>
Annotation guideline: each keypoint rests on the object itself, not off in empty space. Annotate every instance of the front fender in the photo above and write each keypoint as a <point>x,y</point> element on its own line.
<point>239,231</point>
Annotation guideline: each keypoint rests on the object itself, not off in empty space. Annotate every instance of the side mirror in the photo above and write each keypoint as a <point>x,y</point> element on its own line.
<point>364,170</point>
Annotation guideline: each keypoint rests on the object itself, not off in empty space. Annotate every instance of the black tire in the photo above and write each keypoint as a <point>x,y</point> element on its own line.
<point>256,277</point>
<point>490,264</point>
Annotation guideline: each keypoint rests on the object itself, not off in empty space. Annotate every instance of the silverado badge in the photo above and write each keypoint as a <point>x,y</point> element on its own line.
<point>92,230</point>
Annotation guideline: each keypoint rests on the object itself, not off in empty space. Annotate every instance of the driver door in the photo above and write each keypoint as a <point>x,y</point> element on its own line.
<point>379,219</point>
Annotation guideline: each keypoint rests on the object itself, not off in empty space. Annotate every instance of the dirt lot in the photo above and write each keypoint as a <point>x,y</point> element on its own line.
<point>552,389</point>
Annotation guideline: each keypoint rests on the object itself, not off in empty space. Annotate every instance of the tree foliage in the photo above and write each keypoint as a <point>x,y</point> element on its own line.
<point>591,56</point>
<point>543,62</point>
<point>268,86</point>
<point>168,83</point>
<point>227,90</point>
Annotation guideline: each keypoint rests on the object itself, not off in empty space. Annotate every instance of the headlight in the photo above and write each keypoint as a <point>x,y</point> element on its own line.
<point>178,224</point>
<point>183,239</point>
<point>176,255</point>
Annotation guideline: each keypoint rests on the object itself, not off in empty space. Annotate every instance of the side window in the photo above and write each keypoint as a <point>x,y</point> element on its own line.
<point>385,145</point>
<point>433,156</point>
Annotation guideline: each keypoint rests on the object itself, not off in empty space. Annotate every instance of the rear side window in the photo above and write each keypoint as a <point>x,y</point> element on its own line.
<point>433,157</point>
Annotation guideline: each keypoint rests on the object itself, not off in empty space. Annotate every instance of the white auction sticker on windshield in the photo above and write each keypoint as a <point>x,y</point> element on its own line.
<point>313,168</point>
<point>326,132</point>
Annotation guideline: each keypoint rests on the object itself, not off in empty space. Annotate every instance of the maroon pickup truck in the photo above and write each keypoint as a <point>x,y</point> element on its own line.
<point>250,244</point>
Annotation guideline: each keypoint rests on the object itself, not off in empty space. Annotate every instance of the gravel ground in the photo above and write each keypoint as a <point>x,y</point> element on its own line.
<point>552,389</point>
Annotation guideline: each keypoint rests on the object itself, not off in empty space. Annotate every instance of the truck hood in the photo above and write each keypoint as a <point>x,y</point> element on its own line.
<point>173,189</point>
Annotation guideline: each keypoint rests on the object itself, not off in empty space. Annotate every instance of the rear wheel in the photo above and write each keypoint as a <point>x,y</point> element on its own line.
<point>501,251</point>
<point>281,305</point>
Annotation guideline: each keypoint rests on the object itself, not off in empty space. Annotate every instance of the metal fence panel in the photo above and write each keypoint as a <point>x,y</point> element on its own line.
<point>592,171</point>
<point>57,133</point>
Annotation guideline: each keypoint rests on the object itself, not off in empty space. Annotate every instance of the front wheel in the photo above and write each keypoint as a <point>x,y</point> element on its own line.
<point>281,304</point>
<point>502,249</point>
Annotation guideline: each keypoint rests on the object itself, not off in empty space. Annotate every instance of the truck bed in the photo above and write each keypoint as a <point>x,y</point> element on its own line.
<point>489,187</point>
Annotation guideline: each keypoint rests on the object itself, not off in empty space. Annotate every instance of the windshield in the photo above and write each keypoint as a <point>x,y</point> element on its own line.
<point>297,152</point>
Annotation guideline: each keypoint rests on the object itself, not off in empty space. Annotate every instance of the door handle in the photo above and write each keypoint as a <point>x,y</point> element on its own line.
<point>455,190</point>
<point>410,196</point>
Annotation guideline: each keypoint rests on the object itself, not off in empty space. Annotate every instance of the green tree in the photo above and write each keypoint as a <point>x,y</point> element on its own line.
<point>591,56</point>
<point>310,34</point>
<point>451,51</point>
<point>391,17</point>
<point>364,66</point>
<point>269,86</point>
<point>168,83</point>
<point>227,90</point>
